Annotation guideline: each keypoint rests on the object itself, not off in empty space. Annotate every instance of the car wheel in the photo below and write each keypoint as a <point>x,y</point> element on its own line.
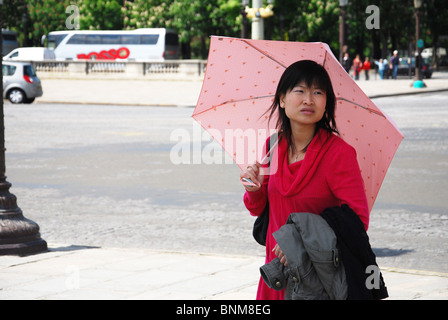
<point>16,96</point>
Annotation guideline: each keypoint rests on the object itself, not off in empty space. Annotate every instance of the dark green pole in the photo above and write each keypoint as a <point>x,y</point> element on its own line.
<point>18,235</point>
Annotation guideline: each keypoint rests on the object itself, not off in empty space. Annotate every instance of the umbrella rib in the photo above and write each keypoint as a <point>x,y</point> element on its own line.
<point>264,53</point>
<point>361,106</point>
<point>233,101</point>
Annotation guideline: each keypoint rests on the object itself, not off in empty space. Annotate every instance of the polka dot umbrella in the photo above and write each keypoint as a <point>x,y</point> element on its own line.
<point>239,86</point>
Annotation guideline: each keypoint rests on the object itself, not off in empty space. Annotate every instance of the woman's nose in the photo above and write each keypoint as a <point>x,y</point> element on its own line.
<point>307,98</point>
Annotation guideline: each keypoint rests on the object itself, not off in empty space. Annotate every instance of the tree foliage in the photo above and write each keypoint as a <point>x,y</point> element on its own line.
<point>196,20</point>
<point>101,15</point>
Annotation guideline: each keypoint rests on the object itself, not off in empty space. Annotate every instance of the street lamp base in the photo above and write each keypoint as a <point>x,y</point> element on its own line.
<point>419,84</point>
<point>18,235</point>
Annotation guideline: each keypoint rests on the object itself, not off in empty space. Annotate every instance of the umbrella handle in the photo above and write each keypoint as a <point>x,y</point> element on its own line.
<point>249,183</point>
<point>271,148</point>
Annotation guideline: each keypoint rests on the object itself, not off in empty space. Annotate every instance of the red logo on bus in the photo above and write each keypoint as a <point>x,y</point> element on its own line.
<point>111,54</point>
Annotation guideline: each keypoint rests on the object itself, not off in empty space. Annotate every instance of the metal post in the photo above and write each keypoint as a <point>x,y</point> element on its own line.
<point>342,4</point>
<point>243,23</point>
<point>18,235</point>
<point>244,5</point>
<point>417,50</point>
<point>341,34</point>
<point>257,21</point>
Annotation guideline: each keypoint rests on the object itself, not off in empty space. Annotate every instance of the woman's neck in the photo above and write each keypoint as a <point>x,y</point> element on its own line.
<point>302,135</point>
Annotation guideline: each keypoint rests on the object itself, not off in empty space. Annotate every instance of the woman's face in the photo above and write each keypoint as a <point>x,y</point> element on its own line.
<point>304,105</point>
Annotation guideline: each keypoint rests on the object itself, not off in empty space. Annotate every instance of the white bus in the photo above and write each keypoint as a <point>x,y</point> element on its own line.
<point>140,44</point>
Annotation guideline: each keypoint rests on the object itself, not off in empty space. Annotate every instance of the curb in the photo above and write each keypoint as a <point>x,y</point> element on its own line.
<point>415,272</point>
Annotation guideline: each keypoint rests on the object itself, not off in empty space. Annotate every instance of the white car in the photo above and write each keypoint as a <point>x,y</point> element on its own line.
<point>30,54</point>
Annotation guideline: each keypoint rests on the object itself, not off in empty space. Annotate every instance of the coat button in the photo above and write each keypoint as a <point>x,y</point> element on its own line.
<point>278,284</point>
<point>295,279</point>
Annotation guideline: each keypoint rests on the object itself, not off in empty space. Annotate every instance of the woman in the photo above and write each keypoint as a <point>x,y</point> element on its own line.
<point>357,66</point>
<point>315,168</point>
<point>366,67</point>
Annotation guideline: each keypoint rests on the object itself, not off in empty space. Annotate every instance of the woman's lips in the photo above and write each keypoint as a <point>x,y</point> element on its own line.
<point>307,110</point>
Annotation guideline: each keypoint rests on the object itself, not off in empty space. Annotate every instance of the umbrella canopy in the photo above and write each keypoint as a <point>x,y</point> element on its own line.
<point>239,86</point>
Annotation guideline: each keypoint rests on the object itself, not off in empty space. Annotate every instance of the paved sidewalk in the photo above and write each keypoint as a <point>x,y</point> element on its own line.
<point>75,272</point>
<point>178,92</point>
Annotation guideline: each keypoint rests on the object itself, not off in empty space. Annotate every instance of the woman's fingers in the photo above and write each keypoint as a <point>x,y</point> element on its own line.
<point>279,253</point>
<point>252,173</point>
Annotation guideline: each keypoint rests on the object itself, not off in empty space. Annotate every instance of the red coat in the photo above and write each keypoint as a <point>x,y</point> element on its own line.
<point>328,176</point>
<point>366,65</point>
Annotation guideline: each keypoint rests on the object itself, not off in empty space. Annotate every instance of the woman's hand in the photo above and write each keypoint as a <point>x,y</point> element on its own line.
<point>253,173</point>
<point>279,253</point>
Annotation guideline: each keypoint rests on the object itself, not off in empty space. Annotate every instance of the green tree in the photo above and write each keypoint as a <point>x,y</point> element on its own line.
<point>45,16</point>
<point>306,20</point>
<point>12,13</point>
<point>321,20</point>
<point>101,15</point>
<point>435,24</point>
<point>194,20</point>
<point>147,14</point>
<point>14,17</point>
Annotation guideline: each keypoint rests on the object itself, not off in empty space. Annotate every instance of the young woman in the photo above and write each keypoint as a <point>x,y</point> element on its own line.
<point>316,169</point>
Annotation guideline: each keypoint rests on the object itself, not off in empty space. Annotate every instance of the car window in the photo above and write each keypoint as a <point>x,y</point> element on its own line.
<point>29,71</point>
<point>9,70</point>
<point>14,55</point>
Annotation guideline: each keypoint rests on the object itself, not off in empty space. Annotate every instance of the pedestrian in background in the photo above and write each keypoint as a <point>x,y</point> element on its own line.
<point>366,67</point>
<point>394,61</point>
<point>382,64</point>
<point>357,67</point>
<point>346,63</point>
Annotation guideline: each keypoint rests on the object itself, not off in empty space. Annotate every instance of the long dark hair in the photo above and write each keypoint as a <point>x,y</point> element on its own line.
<point>311,73</point>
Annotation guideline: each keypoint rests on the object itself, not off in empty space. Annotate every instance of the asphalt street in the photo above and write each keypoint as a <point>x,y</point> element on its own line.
<point>105,175</point>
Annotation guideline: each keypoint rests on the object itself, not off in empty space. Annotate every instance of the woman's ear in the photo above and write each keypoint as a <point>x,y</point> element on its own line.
<point>282,101</point>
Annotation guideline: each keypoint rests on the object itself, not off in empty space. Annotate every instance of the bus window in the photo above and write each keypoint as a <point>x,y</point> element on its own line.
<point>130,39</point>
<point>110,39</point>
<point>77,39</point>
<point>149,39</point>
<point>54,40</point>
<point>93,39</point>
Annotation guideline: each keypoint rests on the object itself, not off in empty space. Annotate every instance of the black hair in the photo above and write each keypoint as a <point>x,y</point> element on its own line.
<point>311,73</point>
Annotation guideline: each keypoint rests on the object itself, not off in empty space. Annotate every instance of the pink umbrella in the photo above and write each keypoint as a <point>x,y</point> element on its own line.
<point>239,86</point>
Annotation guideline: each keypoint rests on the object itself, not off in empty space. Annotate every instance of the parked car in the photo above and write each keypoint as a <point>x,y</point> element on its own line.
<point>428,52</point>
<point>20,83</point>
<point>30,54</point>
<point>403,68</point>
